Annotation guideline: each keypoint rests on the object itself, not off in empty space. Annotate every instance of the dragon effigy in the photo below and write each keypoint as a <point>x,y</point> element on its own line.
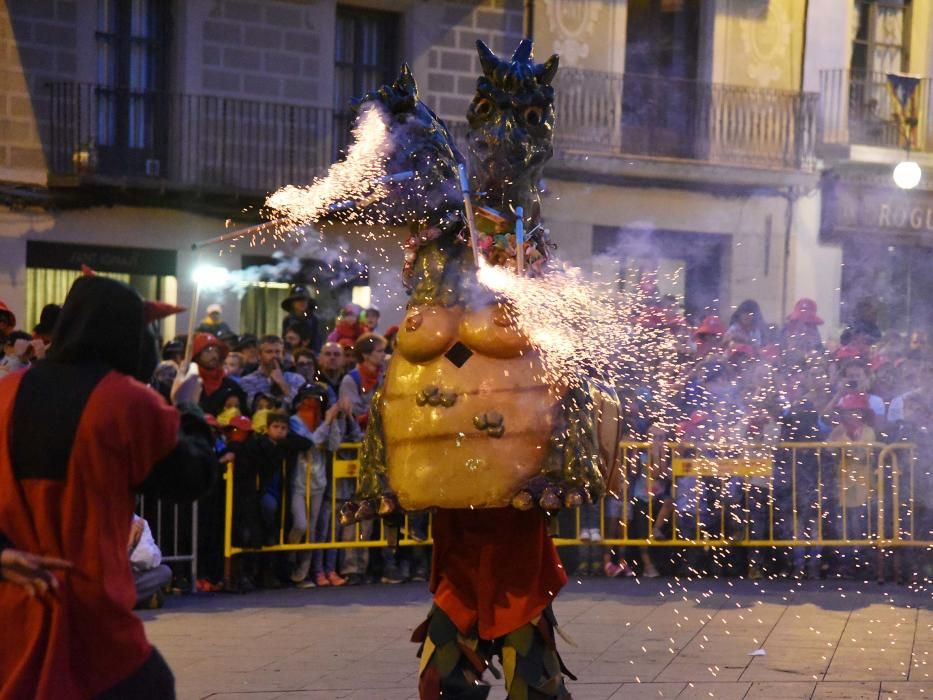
<point>469,422</point>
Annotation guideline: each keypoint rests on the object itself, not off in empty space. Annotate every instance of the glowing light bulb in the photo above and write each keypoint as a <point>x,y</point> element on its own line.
<point>907,174</point>
<point>211,276</point>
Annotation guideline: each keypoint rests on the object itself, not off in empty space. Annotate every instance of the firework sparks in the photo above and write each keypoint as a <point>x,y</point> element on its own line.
<point>360,177</point>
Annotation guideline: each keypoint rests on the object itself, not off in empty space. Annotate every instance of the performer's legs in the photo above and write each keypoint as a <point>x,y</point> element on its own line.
<point>533,668</point>
<point>451,665</point>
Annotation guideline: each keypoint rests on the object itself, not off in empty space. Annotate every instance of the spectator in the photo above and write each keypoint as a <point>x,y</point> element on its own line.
<point>17,352</point>
<point>801,334</point>
<point>209,354</point>
<point>7,321</point>
<point>854,377</point>
<point>347,326</point>
<point>916,378</point>
<point>317,419</point>
<point>856,475</point>
<point>370,320</point>
<point>246,519</point>
<point>269,377</point>
<point>747,325</point>
<point>213,323</point>
<point>708,336</point>
<point>799,486</point>
<point>296,338</point>
<point>150,575</point>
<point>248,346</point>
<point>47,319</point>
<point>233,365</point>
<point>357,387</point>
<point>863,331</point>
<point>174,351</point>
<point>267,454</point>
<point>305,364</point>
<point>349,357</point>
<point>300,309</point>
<point>163,378</point>
<point>356,392</point>
<point>330,367</point>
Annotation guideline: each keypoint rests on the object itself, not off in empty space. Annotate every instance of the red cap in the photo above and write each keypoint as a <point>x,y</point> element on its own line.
<point>853,402</point>
<point>346,343</point>
<point>743,349</point>
<point>5,310</point>
<point>846,352</point>
<point>240,423</point>
<point>203,341</point>
<point>711,325</point>
<point>805,312</point>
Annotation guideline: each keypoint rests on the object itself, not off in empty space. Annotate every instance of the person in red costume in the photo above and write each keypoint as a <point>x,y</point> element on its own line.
<point>68,472</point>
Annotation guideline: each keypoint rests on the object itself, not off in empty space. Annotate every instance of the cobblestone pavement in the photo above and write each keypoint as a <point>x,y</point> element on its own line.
<point>633,640</point>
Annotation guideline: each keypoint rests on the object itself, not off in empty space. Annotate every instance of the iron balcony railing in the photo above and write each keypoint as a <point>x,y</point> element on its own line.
<point>857,108</point>
<point>197,142</point>
<point>638,115</point>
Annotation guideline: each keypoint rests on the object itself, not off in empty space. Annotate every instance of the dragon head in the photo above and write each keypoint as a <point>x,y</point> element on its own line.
<point>511,123</point>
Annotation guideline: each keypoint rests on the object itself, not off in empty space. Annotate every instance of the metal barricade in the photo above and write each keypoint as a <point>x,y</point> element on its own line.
<point>793,494</point>
<point>175,530</point>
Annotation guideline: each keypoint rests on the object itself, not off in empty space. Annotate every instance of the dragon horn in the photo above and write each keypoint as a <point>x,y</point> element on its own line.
<point>523,52</point>
<point>406,80</point>
<point>487,59</point>
<point>546,71</point>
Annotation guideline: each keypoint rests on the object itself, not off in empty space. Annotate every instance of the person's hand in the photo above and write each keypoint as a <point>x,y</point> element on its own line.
<point>277,376</point>
<point>345,405</point>
<point>187,387</point>
<point>31,571</point>
<point>331,413</point>
<point>38,349</point>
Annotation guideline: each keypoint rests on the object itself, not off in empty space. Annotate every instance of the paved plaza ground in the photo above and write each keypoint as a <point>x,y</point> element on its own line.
<point>657,638</point>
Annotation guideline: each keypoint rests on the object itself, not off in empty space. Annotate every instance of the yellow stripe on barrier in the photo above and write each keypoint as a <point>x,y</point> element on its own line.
<point>878,478</point>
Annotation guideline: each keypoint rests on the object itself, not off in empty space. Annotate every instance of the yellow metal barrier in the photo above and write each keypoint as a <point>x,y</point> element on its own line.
<point>815,493</point>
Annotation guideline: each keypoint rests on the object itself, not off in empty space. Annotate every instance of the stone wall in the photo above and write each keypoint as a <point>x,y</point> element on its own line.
<point>37,46</point>
<point>271,51</point>
<point>452,63</point>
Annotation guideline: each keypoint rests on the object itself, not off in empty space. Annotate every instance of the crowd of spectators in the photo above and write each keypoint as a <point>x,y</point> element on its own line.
<point>280,406</point>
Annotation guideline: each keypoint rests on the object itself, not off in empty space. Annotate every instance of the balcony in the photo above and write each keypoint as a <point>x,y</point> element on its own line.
<point>651,117</point>
<point>191,143</point>
<point>196,144</point>
<point>857,109</point>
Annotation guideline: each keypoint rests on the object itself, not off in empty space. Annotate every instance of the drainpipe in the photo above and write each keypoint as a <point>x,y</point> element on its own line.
<point>528,24</point>
<point>791,195</point>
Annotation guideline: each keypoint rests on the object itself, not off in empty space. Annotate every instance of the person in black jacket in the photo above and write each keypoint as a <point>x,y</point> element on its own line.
<point>270,456</point>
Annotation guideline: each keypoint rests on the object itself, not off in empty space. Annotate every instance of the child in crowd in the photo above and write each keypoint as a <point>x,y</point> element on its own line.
<point>855,475</point>
<point>319,420</point>
<point>347,326</point>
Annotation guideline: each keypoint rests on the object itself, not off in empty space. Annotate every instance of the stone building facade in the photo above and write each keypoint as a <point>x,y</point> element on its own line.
<point>723,168</point>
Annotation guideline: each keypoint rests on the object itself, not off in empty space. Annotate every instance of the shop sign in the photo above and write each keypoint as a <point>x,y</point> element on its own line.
<point>859,208</point>
<point>69,256</point>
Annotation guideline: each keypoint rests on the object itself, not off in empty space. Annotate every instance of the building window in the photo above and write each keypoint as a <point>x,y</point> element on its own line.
<point>880,40</point>
<point>132,37</point>
<point>365,57</point>
<point>882,33</point>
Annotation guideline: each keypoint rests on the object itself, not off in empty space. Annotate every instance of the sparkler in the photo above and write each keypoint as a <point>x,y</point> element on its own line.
<point>468,209</point>
<point>520,240</point>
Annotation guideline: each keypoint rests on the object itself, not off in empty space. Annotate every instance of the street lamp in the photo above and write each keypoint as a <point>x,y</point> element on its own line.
<point>907,174</point>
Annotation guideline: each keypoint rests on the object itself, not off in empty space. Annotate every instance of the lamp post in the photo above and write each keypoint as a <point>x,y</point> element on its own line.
<point>209,277</point>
